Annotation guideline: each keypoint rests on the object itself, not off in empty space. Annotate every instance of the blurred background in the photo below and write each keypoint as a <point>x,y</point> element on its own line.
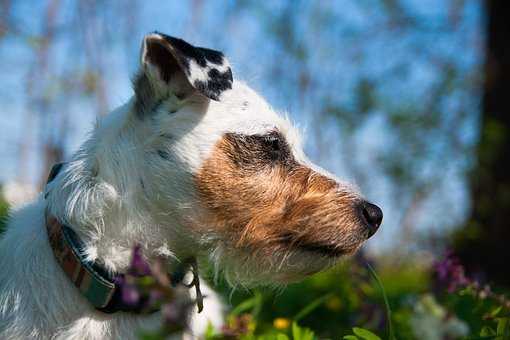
<point>404,97</point>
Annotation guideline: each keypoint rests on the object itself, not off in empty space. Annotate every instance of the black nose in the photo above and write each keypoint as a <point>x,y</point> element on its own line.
<point>373,216</point>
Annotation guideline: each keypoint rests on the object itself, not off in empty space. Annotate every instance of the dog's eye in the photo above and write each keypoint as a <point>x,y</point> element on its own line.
<point>273,143</point>
<point>275,147</point>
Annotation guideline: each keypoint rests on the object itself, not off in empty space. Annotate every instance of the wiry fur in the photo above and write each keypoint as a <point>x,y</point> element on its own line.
<point>159,172</point>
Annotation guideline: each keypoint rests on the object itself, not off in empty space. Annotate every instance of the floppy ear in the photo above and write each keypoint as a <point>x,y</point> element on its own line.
<point>172,67</point>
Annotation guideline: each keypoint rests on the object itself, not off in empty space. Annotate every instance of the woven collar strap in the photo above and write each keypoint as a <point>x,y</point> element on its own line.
<point>90,280</point>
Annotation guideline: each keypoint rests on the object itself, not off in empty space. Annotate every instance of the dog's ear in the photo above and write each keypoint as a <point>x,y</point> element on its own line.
<point>171,66</point>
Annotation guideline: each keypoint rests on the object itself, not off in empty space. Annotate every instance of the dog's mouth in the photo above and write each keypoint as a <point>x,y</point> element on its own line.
<point>329,250</point>
<point>324,249</point>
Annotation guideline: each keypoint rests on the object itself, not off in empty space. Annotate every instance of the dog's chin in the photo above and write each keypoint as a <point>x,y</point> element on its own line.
<point>280,264</point>
<point>250,270</point>
<point>318,260</point>
<point>300,271</point>
<point>285,278</point>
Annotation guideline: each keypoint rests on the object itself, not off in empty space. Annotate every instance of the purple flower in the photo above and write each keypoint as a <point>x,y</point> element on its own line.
<point>130,295</point>
<point>451,272</point>
<point>138,266</point>
<point>443,268</point>
<point>119,280</point>
<point>147,288</point>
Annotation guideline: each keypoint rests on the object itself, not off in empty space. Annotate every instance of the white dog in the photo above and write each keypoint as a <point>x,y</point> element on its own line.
<point>196,164</point>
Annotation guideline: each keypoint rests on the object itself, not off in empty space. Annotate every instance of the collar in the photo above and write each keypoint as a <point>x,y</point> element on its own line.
<point>93,281</point>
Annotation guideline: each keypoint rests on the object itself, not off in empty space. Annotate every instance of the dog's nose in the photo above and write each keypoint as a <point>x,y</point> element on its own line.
<point>372,215</point>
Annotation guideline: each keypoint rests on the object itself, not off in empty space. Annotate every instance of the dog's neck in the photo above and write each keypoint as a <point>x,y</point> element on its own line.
<point>102,197</point>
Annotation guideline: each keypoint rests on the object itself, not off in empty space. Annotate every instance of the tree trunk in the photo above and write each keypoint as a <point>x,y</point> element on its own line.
<point>483,245</point>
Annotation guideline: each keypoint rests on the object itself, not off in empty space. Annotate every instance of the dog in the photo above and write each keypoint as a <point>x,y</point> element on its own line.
<point>195,164</point>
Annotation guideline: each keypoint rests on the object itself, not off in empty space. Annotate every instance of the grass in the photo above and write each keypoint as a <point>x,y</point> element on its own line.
<point>372,272</point>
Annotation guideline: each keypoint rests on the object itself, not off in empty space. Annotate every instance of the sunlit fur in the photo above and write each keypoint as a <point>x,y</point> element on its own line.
<point>161,179</point>
<point>258,219</point>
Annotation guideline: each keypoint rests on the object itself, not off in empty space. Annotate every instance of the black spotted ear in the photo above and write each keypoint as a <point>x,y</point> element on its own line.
<point>172,66</point>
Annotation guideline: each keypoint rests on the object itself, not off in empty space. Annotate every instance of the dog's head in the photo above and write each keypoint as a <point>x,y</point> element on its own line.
<point>231,172</point>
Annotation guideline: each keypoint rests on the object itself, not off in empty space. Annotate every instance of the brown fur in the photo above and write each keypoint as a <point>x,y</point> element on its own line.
<point>269,204</point>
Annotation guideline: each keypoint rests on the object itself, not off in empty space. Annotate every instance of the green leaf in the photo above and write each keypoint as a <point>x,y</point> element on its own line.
<point>145,281</point>
<point>301,333</point>
<point>251,303</point>
<point>281,336</point>
<point>487,331</point>
<point>496,311</point>
<point>210,332</point>
<point>296,331</point>
<point>312,306</point>
<point>503,327</point>
<point>365,334</point>
<point>350,337</point>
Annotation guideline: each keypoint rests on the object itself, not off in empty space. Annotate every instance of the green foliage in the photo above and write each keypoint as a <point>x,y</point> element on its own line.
<point>300,333</point>
<point>352,302</point>
<point>361,333</point>
<point>4,210</point>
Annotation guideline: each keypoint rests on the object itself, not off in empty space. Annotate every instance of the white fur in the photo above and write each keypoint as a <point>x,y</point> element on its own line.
<point>100,194</point>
